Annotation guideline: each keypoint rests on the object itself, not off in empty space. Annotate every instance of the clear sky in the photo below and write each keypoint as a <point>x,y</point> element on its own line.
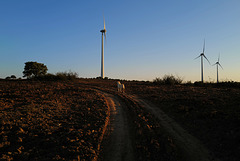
<point>145,39</point>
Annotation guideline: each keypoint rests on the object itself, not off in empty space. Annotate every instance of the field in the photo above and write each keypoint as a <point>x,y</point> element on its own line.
<point>49,121</point>
<point>65,120</point>
<point>212,114</point>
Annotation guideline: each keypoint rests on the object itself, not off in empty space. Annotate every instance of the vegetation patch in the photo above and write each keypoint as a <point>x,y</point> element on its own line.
<point>168,80</point>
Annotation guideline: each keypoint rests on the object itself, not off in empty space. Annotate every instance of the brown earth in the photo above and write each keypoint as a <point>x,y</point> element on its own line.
<point>89,120</point>
<point>189,147</point>
<point>119,145</point>
<point>209,112</point>
<point>50,121</point>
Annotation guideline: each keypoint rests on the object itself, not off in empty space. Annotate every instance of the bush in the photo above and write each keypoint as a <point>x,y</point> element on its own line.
<point>168,80</point>
<point>188,83</point>
<point>98,77</point>
<point>158,80</point>
<point>67,75</point>
<point>12,77</point>
<point>58,76</point>
<point>229,84</point>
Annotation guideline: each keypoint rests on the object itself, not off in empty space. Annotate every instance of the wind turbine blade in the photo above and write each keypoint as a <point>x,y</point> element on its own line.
<point>104,23</point>
<point>104,28</point>
<point>197,57</point>
<point>218,57</point>
<point>105,37</point>
<point>207,59</point>
<point>220,65</point>
<point>203,46</point>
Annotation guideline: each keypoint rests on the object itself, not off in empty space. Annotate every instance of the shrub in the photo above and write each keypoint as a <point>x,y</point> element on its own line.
<point>168,80</point>
<point>13,77</point>
<point>189,83</point>
<point>158,80</point>
<point>229,84</point>
<point>58,76</point>
<point>67,75</point>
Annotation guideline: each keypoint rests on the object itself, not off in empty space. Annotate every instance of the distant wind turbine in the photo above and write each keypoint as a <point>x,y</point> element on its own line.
<point>202,55</point>
<point>218,64</point>
<point>102,58</point>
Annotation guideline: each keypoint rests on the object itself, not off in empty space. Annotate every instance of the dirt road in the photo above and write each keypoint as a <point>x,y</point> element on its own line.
<point>118,145</point>
<point>119,140</point>
<point>190,147</point>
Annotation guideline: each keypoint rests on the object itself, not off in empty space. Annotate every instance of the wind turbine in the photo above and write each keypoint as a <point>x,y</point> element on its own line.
<point>202,56</point>
<point>103,31</point>
<point>218,64</point>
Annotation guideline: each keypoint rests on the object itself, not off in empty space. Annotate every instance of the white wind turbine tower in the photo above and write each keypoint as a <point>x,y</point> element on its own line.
<point>218,64</point>
<point>102,57</point>
<point>202,55</point>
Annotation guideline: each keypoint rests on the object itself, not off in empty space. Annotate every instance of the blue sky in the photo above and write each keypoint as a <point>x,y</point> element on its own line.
<point>145,39</point>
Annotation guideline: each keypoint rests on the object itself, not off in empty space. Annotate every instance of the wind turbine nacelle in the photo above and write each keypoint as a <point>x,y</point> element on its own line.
<point>103,31</point>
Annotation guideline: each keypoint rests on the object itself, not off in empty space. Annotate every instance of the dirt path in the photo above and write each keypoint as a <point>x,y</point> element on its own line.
<point>119,138</point>
<point>191,149</point>
<point>118,145</point>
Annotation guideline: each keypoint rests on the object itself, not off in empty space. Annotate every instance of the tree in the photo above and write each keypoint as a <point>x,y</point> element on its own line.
<point>34,69</point>
<point>13,77</point>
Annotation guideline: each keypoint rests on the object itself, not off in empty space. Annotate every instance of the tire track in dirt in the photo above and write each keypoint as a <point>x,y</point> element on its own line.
<point>120,143</point>
<point>117,144</point>
<point>191,149</point>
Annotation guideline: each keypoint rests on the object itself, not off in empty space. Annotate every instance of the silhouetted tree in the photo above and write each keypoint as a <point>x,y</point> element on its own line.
<point>13,77</point>
<point>34,69</point>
